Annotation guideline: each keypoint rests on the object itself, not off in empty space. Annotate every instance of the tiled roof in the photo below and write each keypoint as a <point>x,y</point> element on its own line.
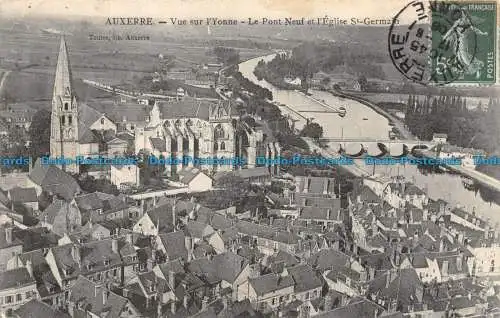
<point>35,238</point>
<point>38,309</point>
<point>403,286</point>
<point>174,243</point>
<point>198,229</point>
<point>263,231</point>
<point>53,179</point>
<point>158,144</point>
<point>315,213</point>
<point>245,173</point>
<point>328,259</point>
<point>98,200</point>
<point>358,308</point>
<point>3,238</point>
<point>315,185</point>
<point>187,108</point>
<point>180,275</point>
<point>117,112</point>
<point>23,195</point>
<point>305,278</point>
<point>88,295</point>
<point>187,174</point>
<point>92,253</point>
<point>45,280</point>
<point>270,282</point>
<point>57,209</point>
<point>282,256</point>
<point>15,278</point>
<point>232,264</point>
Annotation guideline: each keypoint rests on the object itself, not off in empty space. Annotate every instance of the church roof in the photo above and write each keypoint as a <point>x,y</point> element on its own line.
<point>189,107</point>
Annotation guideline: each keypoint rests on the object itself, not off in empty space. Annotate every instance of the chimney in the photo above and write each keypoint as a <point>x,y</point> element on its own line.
<point>185,300</point>
<point>125,292</point>
<point>325,186</point>
<point>459,262</point>
<point>174,208</point>
<point>104,296</point>
<point>441,245</point>
<point>271,220</point>
<point>114,245</point>
<point>204,303</point>
<point>129,239</point>
<point>96,290</point>
<point>328,214</point>
<point>444,268</point>
<point>171,279</point>
<point>75,253</point>
<point>29,267</point>
<point>469,295</point>
<point>8,234</point>
<point>372,273</point>
<point>307,181</point>
<point>158,309</point>
<point>388,279</point>
<point>173,306</point>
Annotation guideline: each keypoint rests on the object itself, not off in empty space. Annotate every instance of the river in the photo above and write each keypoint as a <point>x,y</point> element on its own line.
<point>361,121</point>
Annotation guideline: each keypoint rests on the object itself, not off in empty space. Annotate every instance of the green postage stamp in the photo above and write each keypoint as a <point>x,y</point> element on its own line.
<point>446,42</point>
<point>464,42</point>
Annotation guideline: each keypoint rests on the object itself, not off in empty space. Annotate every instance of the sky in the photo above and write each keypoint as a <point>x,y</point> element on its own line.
<point>375,9</point>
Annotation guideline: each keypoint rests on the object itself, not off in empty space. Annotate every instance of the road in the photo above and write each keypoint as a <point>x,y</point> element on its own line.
<point>471,173</point>
<point>3,80</point>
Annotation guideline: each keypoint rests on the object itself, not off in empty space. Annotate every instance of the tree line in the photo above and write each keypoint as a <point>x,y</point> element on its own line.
<point>471,128</point>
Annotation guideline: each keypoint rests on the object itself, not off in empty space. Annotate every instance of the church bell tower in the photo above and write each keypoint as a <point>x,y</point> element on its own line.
<point>64,119</point>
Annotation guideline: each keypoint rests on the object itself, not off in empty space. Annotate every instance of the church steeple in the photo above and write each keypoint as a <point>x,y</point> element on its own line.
<point>64,120</point>
<point>63,80</point>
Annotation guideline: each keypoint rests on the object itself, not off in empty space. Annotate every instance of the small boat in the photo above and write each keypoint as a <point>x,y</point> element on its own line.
<point>342,111</point>
<point>364,118</point>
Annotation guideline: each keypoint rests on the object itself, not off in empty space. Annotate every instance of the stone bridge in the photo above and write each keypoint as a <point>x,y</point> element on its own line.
<point>376,147</point>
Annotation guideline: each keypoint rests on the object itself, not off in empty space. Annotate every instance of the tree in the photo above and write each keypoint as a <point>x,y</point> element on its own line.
<point>363,82</point>
<point>325,81</point>
<point>312,130</point>
<point>39,134</point>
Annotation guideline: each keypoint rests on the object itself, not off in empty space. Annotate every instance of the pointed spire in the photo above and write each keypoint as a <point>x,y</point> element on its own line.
<point>62,82</point>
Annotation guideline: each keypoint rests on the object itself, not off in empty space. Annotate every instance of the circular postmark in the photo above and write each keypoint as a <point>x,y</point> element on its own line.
<point>437,47</point>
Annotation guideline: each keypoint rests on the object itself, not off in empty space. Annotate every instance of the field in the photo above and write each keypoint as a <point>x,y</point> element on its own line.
<point>32,57</point>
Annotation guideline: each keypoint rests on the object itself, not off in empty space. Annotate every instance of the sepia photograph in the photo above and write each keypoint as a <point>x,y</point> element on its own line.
<point>260,158</point>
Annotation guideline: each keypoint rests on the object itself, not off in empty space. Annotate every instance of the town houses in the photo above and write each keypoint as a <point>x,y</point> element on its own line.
<point>225,240</point>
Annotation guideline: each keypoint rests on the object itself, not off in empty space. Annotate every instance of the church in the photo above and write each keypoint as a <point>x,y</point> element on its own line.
<point>181,127</point>
<point>70,135</point>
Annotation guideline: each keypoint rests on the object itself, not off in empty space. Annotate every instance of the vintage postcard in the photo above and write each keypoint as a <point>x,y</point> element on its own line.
<point>259,158</point>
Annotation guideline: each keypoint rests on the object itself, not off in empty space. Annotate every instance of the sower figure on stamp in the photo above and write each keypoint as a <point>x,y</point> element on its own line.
<point>459,36</point>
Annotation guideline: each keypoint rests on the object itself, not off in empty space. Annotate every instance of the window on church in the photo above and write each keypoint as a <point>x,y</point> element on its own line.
<point>63,120</point>
<point>70,120</point>
<point>102,121</point>
<point>216,146</point>
<point>219,132</point>
<point>66,106</point>
<point>222,146</point>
